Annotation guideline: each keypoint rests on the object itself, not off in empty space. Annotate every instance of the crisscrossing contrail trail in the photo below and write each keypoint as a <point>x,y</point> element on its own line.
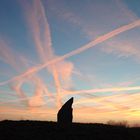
<point>91,44</point>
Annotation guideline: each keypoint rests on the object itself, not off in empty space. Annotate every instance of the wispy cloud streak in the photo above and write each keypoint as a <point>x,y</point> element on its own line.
<point>98,40</point>
<point>103,90</point>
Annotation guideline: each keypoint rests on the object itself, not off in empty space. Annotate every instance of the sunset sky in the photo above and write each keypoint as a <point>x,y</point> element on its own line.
<point>52,50</point>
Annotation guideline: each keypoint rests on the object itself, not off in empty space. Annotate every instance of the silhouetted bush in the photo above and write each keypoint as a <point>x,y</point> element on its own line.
<point>136,125</point>
<point>118,123</point>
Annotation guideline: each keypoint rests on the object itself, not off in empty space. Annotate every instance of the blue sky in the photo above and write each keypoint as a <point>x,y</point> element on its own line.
<point>57,28</point>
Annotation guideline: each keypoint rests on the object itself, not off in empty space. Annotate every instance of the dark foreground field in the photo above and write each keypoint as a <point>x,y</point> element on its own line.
<point>32,130</point>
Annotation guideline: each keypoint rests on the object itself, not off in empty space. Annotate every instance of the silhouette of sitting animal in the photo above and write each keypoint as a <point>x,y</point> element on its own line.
<point>64,115</point>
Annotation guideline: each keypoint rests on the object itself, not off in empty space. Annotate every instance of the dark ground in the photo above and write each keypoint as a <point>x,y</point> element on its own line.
<point>38,130</point>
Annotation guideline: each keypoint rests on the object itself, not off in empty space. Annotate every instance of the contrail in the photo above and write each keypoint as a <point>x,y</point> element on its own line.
<point>25,99</point>
<point>102,90</point>
<point>91,44</point>
<point>134,96</point>
<point>118,101</point>
<point>44,46</point>
<point>38,24</point>
<point>99,90</point>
